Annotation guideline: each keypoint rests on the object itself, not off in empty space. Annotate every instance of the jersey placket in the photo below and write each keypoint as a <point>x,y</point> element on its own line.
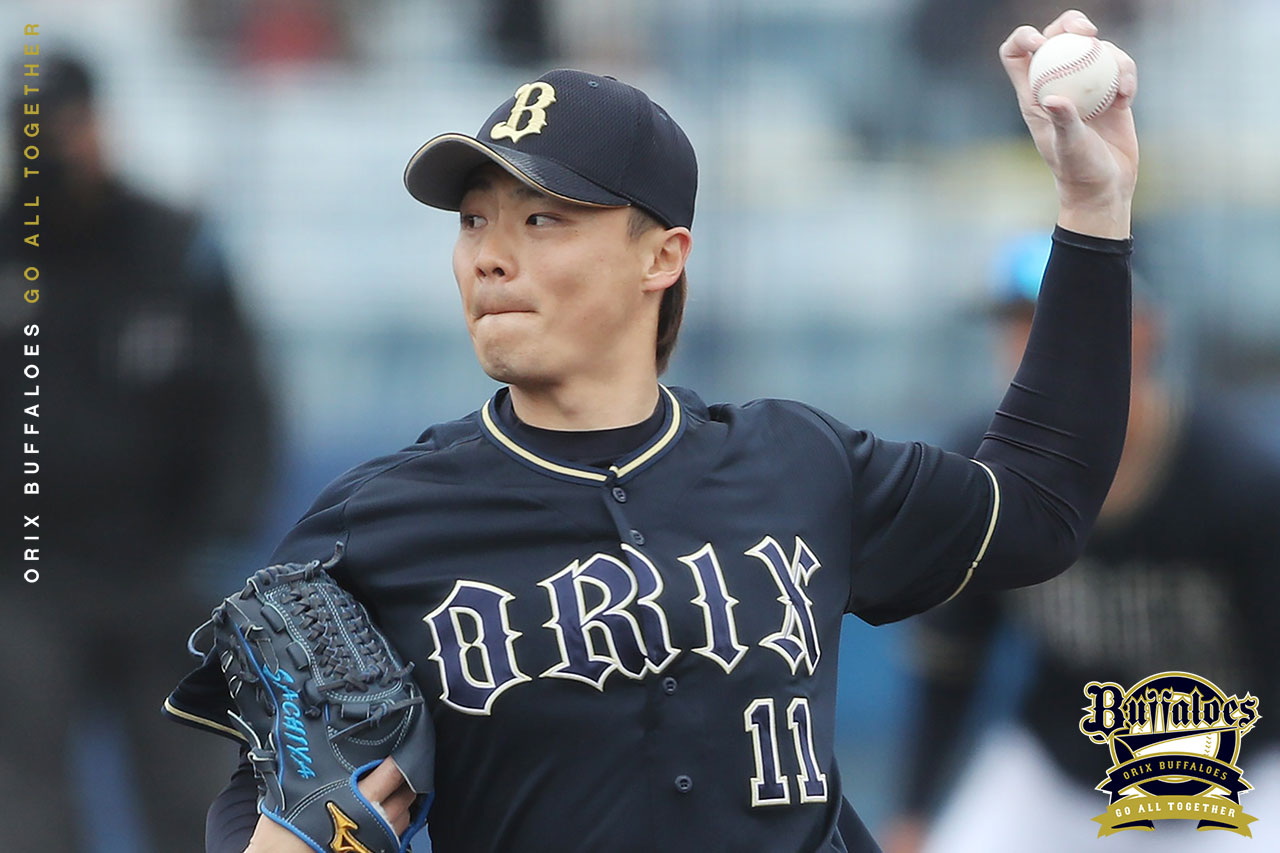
<point>665,783</point>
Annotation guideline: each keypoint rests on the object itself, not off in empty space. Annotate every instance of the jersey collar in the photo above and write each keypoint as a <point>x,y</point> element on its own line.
<point>663,439</point>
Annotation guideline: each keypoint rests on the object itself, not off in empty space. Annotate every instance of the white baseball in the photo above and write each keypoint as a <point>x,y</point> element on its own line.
<point>1079,68</point>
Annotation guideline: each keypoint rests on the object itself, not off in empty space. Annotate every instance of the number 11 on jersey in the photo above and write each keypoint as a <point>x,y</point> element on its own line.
<point>770,787</point>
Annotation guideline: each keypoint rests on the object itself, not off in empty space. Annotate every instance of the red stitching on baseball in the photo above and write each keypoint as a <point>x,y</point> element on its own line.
<point>1107,100</point>
<point>1092,54</point>
<point>1058,71</point>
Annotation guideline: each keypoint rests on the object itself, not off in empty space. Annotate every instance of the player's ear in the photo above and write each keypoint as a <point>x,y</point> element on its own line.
<point>667,252</point>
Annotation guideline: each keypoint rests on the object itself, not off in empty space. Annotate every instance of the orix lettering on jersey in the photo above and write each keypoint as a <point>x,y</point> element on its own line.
<point>607,617</point>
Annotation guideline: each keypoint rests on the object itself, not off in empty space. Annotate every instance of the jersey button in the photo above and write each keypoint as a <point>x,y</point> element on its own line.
<point>669,685</point>
<point>684,784</point>
<point>620,494</point>
<point>636,537</point>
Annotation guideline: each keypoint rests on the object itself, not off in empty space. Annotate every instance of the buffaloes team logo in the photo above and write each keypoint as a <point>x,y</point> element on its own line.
<point>1174,740</point>
<point>537,112</point>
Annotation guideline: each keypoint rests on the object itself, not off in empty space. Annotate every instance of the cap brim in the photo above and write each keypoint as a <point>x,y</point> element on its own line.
<point>437,173</point>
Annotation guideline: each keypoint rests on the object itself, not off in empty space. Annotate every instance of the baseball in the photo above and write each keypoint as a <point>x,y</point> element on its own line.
<point>1079,68</point>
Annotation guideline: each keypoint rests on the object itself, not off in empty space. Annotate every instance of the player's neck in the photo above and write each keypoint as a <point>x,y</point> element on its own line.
<point>587,403</point>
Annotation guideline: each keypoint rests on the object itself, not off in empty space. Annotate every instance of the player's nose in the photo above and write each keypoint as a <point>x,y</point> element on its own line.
<point>493,256</point>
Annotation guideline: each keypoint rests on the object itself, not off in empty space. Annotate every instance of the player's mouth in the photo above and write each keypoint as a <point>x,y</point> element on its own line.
<point>504,312</point>
<point>490,309</point>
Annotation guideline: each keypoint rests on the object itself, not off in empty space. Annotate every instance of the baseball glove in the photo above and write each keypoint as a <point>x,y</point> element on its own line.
<point>321,698</point>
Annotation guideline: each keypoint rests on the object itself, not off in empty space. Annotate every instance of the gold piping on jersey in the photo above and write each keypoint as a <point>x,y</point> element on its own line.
<point>991,528</point>
<point>202,721</point>
<point>657,445</point>
<point>589,474</point>
<point>496,156</point>
<point>507,129</point>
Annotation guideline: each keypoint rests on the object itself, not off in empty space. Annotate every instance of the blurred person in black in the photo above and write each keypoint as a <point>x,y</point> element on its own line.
<point>1182,572</point>
<point>154,446</point>
<point>519,30</point>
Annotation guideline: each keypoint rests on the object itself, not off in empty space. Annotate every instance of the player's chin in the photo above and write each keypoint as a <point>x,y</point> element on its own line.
<point>511,365</point>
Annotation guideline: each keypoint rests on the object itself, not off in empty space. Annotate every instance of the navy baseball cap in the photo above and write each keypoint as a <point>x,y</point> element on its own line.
<point>575,136</point>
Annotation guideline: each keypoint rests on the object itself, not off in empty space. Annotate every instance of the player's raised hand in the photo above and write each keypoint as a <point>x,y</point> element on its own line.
<point>1095,165</point>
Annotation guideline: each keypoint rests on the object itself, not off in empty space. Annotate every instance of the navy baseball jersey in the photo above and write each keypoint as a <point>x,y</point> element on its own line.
<point>632,647</point>
<point>653,642</point>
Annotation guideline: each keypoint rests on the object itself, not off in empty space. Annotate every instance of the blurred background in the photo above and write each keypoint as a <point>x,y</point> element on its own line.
<point>862,170</point>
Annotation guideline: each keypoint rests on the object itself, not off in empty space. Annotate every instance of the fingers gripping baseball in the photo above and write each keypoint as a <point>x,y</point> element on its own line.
<point>1094,162</point>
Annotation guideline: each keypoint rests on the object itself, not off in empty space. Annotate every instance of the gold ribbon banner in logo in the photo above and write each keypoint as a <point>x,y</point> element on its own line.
<point>1209,809</point>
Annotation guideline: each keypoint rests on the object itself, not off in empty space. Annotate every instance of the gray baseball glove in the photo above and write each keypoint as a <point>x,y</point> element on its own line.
<point>322,698</point>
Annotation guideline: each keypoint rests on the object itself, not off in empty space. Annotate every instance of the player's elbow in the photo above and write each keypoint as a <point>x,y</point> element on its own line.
<point>1037,538</point>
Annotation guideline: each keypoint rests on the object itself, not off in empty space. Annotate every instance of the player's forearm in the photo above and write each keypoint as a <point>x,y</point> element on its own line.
<point>1055,441</point>
<point>1107,217</point>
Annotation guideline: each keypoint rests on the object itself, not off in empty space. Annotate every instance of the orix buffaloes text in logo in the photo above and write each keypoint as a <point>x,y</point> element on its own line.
<point>1174,740</point>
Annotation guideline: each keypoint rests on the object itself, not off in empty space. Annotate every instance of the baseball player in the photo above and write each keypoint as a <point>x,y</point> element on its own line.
<point>624,603</point>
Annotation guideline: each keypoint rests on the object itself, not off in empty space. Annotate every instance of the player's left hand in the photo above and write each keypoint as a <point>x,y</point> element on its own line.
<point>1095,165</point>
<point>293,642</point>
<point>384,786</point>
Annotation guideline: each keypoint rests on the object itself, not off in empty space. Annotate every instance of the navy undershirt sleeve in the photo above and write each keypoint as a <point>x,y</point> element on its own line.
<point>1055,441</point>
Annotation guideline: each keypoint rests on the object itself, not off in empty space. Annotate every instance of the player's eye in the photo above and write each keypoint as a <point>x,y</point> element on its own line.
<point>470,220</point>
<point>538,219</point>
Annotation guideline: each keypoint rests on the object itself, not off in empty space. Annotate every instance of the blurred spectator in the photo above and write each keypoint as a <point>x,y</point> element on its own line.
<point>276,32</point>
<point>290,31</point>
<point>955,41</point>
<point>155,443</point>
<point>1182,573</point>
<point>939,25</point>
<point>518,31</point>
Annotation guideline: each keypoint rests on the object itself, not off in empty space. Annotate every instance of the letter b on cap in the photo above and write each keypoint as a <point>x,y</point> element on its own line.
<point>537,111</point>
